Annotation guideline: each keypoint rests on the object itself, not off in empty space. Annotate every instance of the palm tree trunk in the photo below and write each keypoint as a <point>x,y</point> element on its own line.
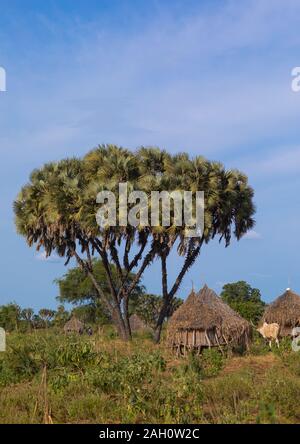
<point>168,296</point>
<point>165,295</point>
<point>126,315</point>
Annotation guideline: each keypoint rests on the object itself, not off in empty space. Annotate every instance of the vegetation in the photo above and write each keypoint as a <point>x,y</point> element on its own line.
<point>49,377</point>
<point>10,315</point>
<point>14,318</point>
<point>76,288</point>
<point>148,307</point>
<point>56,211</point>
<point>244,299</point>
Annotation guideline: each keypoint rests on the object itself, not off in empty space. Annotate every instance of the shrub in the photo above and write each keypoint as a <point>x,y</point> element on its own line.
<point>283,391</point>
<point>259,346</point>
<point>211,362</point>
<point>292,362</point>
<point>227,399</point>
<point>18,364</point>
<point>285,348</point>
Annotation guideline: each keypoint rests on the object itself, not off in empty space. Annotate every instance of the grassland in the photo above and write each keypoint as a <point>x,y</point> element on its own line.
<point>48,377</point>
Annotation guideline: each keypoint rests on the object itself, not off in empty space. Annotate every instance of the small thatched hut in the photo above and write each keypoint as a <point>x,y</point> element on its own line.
<point>74,326</point>
<point>285,311</point>
<point>137,324</point>
<point>204,320</point>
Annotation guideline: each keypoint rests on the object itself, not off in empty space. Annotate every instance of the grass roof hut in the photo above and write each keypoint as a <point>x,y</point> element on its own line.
<point>137,324</point>
<point>285,311</point>
<point>74,326</point>
<point>204,320</point>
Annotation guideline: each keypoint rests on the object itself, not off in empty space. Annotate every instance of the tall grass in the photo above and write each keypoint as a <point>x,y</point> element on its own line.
<point>101,379</point>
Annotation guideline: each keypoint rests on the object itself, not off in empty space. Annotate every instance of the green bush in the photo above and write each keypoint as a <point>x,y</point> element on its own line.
<point>284,349</point>
<point>18,364</point>
<point>121,375</point>
<point>258,346</point>
<point>283,391</point>
<point>292,362</point>
<point>228,399</point>
<point>211,362</point>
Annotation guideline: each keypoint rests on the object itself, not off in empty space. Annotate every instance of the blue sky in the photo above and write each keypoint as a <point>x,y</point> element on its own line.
<point>210,78</point>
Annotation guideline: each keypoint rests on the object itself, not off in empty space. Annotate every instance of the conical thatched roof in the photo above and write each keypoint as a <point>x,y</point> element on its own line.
<point>137,324</point>
<point>194,315</point>
<point>73,325</point>
<point>285,311</point>
<point>210,320</point>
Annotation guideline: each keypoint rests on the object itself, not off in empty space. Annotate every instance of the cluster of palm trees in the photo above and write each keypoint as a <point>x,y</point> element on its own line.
<point>13,317</point>
<point>56,211</point>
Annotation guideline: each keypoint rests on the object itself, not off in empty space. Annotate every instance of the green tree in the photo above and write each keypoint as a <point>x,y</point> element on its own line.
<point>27,315</point>
<point>61,316</point>
<point>77,288</point>
<point>46,315</point>
<point>148,307</point>
<point>244,299</point>
<point>56,211</point>
<point>37,322</point>
<point>10,315</point>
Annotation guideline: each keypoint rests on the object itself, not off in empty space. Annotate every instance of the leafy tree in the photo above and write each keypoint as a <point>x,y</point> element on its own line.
<point>10,316</point>
<point>27,315</point>
<point>37,321</point>
<point>46,315</point>
<point>77,288</point>
<point>244,299</point>
<point>88,314</point>
<point>61,316</point>
<point>56,211</point>
<point>148,307</point>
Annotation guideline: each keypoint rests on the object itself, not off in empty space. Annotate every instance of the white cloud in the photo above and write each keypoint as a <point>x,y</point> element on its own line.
<point>220,284</point>
<point>41,256</point>
<point>280,161</point>
<point>177,82</point>
<point>285,160</point>
<point>252,235</point>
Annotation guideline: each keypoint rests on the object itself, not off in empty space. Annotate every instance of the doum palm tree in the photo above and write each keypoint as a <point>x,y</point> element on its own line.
<point>56,211</point>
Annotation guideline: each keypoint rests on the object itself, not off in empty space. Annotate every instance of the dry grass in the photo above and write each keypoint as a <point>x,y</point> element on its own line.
<point>259,364</point>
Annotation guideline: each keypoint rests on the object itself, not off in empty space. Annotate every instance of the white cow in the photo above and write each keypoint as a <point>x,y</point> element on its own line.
<point>270,332</point>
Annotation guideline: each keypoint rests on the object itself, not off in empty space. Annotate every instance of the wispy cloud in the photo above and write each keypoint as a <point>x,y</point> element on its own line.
<point>214,80</point>
<point>220,284</point>
<point>176,82</point>
<point>41,256</point>
<point>285,160</point>
<point>252,235</point>
<point>261,275</point>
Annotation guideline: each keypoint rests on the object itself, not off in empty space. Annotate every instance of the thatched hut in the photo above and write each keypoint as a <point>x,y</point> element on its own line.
<point>204,320</point>
<point>285,311</point>
<point>137,324</point>
<point>74,326</point>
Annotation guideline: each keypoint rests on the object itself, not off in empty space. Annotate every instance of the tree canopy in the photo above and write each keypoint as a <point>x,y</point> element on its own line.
<point>148,307</point>
<point>10,316</point>
<point>76,287</point>
<point>56,211</point>
<point>244,299</point>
